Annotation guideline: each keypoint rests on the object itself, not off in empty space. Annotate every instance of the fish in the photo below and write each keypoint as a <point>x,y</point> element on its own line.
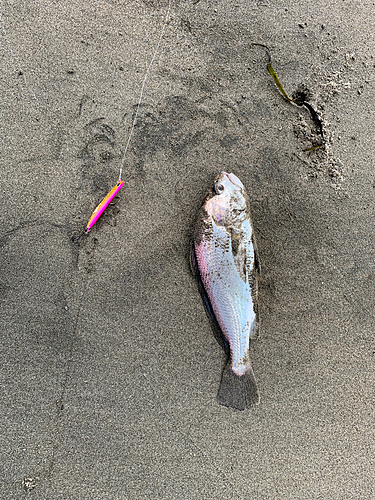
<point>225,260</point>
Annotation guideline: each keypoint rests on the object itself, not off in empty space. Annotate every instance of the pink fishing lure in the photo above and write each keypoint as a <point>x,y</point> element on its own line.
<point>103,205</point>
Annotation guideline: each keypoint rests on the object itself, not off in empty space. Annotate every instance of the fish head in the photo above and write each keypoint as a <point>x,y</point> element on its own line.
<point>226,202</point>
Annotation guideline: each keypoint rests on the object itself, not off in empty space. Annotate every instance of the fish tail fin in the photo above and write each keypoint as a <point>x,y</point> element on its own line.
<point>238,391</point>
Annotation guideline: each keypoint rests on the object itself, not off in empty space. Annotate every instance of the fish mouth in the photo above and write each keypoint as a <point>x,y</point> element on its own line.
<point>234,180</point>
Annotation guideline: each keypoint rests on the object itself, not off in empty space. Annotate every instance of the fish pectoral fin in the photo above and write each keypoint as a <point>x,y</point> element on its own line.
<point>238,391</point>
<point>235,242</point>
<point>239,255</point>
<point>254,329</point>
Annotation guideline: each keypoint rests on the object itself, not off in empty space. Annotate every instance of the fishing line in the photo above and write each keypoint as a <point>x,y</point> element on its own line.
<point>114,191</point>
<point>143,86</point>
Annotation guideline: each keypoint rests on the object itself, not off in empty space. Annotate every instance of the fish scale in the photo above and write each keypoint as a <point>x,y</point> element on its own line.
<point>231,300</point>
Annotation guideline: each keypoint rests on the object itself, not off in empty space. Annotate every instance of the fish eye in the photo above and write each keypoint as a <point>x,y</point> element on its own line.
<point>218,188</point>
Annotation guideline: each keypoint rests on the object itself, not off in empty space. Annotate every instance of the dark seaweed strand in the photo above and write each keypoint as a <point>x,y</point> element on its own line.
<point>307,105</point>
<point>316,119</point>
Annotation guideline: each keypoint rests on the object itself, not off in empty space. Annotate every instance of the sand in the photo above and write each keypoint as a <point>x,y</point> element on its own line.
<point>110,370</point>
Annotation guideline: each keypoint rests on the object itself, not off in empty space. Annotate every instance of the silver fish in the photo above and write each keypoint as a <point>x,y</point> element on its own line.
<point>224,260</point>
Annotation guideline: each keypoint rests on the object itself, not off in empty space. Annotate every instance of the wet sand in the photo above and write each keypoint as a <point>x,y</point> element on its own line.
<point>110,369</point>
